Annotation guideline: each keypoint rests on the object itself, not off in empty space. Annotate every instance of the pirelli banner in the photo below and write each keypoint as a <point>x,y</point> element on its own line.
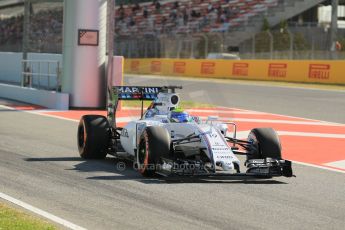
<point>329,72</point>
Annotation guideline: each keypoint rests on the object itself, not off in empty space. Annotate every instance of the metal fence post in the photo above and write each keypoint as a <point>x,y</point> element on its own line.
<point>162,42</point>
<point>312,48</point>
<point>192,48</point>
<point>179,46</point>
<point>39,75</point>
<point>23,73</point>
<point>58,80</point>
<point>156,48</point>
<point>206,44</point>
<point>271,44</point>
<point>31,75</point>
<point>291,38</point>
<point>253,46</point>
<point>48,75</point>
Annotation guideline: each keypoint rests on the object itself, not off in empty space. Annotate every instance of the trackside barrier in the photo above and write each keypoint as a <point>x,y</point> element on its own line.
<point>327,72</point>
<point>48,99</point>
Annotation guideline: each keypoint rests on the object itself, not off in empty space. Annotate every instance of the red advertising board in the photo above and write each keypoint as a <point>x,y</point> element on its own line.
<point>277,70</point>
<point>208,68</point>
<point>240,69</point>
<point>319,71</point>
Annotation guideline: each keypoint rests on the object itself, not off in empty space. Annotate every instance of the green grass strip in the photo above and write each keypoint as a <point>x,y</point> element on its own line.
<point>14,219</point>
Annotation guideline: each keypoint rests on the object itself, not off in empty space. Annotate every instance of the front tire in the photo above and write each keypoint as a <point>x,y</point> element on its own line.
<point>265,144</point>
<point>93,136</point>
<point>154,143</point>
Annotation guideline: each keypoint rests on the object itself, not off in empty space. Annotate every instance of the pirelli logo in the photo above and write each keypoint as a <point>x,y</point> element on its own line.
<point>277,70</point>
<point>208,68</point>
<point>240,69</point>
<point>179,67</point>
<point>319,71</point>
<point>135,66</point>
<point>156,66</point>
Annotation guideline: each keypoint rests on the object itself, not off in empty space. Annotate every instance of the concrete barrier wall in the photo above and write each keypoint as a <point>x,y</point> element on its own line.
<point>11,72</point>
<point>328,72</point>
<point>44,98</point>
<point>10,67</point>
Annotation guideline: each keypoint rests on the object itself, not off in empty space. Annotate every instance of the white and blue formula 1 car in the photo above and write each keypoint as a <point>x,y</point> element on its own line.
<point>169,142</point>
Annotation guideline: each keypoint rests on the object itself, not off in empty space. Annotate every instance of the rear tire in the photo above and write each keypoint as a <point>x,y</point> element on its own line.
<point>266,144</point>
<point>93,136</point>
<point>154,143</point>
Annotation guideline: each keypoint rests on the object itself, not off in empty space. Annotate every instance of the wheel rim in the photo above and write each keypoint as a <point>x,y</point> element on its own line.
<point>81,136</point>
<point>143,156</point>
<point>255,144</point>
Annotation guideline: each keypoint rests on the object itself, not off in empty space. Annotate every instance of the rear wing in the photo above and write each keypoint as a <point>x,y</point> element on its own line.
<point>138,93</point>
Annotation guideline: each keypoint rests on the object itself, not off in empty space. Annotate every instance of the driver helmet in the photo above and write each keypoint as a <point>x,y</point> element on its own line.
<point>179,115</point>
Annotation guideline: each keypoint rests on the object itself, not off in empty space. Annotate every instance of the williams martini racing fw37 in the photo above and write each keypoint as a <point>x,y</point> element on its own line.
<point>167,141</point>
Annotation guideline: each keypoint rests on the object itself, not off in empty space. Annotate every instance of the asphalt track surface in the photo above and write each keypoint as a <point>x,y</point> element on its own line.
<point>320,104</point>
<point>40,165</point>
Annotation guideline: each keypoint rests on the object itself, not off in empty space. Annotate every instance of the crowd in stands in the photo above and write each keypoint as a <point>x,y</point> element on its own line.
<point>153,18</point>
<point>45,29</point>
<point>11,30</point>
<point>185,16</point>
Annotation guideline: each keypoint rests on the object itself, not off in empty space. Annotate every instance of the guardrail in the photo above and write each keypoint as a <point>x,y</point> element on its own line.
<point>41,74</point>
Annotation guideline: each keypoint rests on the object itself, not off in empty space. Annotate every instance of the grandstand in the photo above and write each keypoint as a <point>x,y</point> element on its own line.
<point>173,28</point>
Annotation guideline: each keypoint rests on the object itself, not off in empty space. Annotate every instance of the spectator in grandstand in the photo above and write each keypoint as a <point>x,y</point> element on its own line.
<point>131,21</point>
<point>338,46</point>
<point>179,21</point>
<point>232,11</point>
<point>176,5</point>
<point>195,14</point>
<point>204,21</point>
<point>121,12</point>
<point>222,18</point>
<point>157,5</point>
<point>145,12</point>
<point>219,10</point>
<point>173,15</point>
<point>209,7</point>
<point>136,8</point>
<point>185,17</point>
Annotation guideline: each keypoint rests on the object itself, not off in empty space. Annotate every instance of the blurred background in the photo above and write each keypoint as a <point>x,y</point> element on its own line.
<point>225,29</point>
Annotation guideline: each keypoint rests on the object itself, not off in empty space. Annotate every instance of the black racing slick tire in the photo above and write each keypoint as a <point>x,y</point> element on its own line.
<point>154,143</point>
<point>265,144</point>
<point>93,136</point>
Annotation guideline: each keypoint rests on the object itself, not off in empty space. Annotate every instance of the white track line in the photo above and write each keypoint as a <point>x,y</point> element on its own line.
<point>287,116</point>
<point>337,164</point>
<point>244,134</point>
<point>278,121</point>
<point>41,212</point>
<point>319,167</point>
<point>222,111</point>
<point>310,134</point>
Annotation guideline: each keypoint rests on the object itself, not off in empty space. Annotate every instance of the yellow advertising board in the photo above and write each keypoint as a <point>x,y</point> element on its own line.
<point>329,72</point>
